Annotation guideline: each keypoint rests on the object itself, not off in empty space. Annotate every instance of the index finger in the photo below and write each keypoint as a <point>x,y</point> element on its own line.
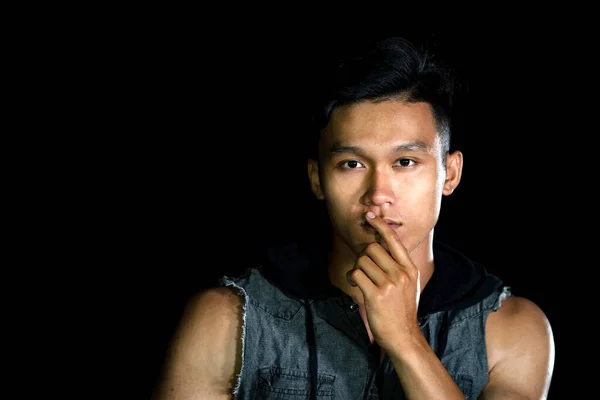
<point>391,239</point>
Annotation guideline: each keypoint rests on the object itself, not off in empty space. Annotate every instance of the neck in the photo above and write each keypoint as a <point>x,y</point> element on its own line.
<point>342,259</point>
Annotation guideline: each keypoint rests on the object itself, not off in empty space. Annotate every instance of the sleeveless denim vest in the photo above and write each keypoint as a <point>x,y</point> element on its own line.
<point>303,347</point>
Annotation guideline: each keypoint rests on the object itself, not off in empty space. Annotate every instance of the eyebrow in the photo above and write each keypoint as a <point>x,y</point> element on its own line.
<point>417,146</point>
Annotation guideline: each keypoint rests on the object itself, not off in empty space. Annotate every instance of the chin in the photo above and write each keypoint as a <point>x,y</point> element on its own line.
<point>349,243</point>
<point>359,243</point>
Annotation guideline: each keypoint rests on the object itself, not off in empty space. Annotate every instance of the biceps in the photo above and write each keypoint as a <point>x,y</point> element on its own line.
<point>205,355</point>
<point>493,391</point>
<point>520,349</point>
<point>523,377</point>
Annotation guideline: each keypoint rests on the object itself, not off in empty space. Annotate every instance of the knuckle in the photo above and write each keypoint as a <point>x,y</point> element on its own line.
<point>388,287</point>
<point>403,278</point>
<point>362,259</point>
<point>414,273</point>
<point>371,246</point>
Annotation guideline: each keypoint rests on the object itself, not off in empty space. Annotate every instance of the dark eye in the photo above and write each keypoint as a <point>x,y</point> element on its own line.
<point>405,162</point>
<point>351,164</point>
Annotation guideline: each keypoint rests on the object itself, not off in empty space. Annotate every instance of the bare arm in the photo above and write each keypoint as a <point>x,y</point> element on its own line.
<point>520,349</point>
<point>421,373</point>
<point>519,339</point>
<point>205,353</point>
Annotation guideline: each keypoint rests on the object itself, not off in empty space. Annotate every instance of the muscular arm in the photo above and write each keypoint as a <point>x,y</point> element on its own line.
<point>519,340</point>
<point>205,352</point>
<point>520,349</point>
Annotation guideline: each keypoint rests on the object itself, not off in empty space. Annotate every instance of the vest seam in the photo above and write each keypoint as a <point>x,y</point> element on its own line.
<point>241,292</point>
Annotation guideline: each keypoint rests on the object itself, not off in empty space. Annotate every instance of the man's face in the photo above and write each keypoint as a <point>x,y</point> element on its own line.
<point>386,158</point>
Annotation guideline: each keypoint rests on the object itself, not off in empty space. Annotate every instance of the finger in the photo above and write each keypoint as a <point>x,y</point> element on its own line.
<point>371,270</point>
<point>380,255</point>
<point>391,239</point>
<point>357,277</point>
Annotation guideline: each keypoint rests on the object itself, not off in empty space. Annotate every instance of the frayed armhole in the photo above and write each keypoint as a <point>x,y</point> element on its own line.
<point>241,292</point>
<point>506,293</point>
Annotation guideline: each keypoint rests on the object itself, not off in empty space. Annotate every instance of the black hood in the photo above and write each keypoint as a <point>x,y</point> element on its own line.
<point>457,282</point>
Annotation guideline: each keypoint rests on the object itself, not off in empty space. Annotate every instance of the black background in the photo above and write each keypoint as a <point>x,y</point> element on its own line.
<point>205,171</point>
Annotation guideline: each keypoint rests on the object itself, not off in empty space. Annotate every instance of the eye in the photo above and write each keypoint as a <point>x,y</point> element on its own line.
<point>405,162</point>
<point>350,164</point>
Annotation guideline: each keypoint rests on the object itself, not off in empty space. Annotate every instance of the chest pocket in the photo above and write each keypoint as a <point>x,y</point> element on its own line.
<point>290,384</point>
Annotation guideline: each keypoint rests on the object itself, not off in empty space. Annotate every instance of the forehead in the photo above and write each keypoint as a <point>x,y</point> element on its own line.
<point>383,123</point>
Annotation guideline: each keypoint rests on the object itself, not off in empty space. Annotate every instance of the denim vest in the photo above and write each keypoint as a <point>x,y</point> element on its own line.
<point>286,336</point>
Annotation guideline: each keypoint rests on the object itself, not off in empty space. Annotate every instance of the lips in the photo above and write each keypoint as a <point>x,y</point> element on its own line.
<point>391,224</point>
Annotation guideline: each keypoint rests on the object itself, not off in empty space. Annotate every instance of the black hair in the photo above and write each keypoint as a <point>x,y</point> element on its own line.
<point>386,69</point>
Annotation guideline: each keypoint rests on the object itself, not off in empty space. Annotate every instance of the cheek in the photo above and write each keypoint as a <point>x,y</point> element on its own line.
<point>346,184</point>
<point>420,201</point>
<point>338,203</point>
<point>341,201</point>
<point>344,194</point>
<point>340,188</point>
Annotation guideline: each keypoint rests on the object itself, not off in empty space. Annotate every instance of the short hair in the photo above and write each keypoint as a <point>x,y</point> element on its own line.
<point>387,69</point>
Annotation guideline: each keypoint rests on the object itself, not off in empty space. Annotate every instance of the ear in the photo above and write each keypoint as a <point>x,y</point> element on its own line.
<point>454,165</point>
<point>315,181</point>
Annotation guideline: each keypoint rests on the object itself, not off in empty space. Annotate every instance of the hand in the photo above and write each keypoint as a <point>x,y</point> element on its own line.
<point>389,282</point>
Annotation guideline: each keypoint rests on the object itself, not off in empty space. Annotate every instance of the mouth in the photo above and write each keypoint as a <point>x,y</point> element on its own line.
<point>366,226</point>
<point>393,225</point>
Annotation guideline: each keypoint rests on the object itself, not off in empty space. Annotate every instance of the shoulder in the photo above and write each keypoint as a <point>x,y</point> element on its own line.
<point>206,351</point>
<point>517,318</point>
<point>520,347</point>
<point>217,302</point>
<point>211,318</point>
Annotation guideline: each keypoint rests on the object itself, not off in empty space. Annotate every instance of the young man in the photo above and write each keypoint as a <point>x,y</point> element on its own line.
<point>383,311</point>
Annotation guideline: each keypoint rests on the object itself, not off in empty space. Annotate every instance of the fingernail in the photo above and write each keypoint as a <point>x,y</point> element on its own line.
<point>370,214</point>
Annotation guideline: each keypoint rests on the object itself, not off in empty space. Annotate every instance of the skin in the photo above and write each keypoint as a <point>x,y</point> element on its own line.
<point>380,160</point>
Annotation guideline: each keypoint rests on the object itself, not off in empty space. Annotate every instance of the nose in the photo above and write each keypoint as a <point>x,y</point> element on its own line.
<point>380,189</point>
